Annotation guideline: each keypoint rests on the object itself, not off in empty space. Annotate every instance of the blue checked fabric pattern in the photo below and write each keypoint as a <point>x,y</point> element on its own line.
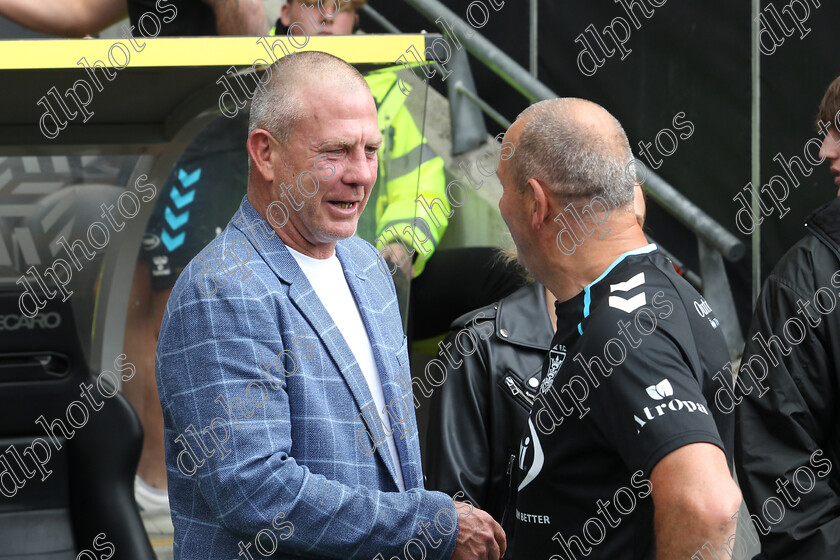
<point>296,454</point>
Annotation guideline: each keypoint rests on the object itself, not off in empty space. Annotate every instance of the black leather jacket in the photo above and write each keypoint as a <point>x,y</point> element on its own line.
<point>478,415</point>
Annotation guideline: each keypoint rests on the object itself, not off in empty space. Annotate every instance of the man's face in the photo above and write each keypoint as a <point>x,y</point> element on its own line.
<point>514,203</point>
<point>831,151</point>
<point>339,132</point>
<point>314,18</point>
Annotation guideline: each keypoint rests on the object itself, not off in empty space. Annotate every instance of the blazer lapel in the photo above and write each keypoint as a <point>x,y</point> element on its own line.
<point>275,254</point>
<point>377,329</point>
<point>304,298</point>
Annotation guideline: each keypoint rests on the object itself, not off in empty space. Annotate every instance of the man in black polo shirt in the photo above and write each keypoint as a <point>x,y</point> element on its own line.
<point>621,425</point>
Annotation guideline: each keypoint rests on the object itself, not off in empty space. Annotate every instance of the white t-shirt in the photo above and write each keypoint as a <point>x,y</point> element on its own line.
<point>327,279</point>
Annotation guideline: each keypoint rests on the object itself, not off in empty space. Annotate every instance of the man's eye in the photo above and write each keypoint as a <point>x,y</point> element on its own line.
<point>371,149</point>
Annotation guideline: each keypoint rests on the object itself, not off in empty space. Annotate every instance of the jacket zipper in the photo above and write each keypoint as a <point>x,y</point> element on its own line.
<point>517,392</point>
<point>510,502</point>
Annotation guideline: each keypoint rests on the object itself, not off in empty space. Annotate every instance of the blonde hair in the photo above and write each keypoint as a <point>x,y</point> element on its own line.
<point>506,255</point>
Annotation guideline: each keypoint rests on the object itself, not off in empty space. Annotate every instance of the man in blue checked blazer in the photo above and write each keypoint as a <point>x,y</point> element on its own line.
<point>282,366</point>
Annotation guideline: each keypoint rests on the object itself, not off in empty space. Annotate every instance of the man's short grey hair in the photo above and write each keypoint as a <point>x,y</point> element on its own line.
<point>576,162</point>
<point>277,107</point>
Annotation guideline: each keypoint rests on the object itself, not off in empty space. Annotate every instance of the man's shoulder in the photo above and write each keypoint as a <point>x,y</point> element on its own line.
<point>226,267</point>
<point>642,287</point>
<point>521,311</point>
<point>488,312</point>
<point>812,261</point>
<point>226,290</point>
<point>364,257</point>
<point>805,267</point>
<point>650,310</point>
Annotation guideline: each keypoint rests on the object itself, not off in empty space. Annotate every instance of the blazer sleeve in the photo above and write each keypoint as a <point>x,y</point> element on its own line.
<point>210,349</point>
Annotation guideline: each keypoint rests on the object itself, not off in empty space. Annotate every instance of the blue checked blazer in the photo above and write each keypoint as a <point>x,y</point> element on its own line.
<point>261,402</point>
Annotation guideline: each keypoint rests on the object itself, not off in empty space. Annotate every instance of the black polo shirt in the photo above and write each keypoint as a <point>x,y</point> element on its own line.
<point>628,379</point>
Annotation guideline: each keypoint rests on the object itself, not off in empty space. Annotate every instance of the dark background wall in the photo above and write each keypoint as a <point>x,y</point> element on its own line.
<point>690,56</point>
<point>693,57</point>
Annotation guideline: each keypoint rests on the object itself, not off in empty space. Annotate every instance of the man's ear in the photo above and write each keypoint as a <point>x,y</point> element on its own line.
<point>356,22</point>
<point>540,203</point>
<point>284,14</point>
<point>260,151</point>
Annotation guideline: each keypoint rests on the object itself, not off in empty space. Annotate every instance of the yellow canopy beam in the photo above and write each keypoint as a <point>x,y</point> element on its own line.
<point>164,52</point>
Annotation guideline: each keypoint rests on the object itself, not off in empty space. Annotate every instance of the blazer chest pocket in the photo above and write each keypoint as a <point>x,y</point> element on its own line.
<point>402,352</point>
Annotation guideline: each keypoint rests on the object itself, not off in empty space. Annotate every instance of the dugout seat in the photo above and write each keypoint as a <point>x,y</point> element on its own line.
<point>88,489</point>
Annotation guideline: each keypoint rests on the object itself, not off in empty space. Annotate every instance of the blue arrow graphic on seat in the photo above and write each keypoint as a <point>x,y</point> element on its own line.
<point>181,201</point>
<point>170,242</point>
<point>188,179</point>
<point>174,220</point>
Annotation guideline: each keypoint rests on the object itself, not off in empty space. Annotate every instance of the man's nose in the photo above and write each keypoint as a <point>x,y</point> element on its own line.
<point>319,21</point>
<point>360,171</point>
<point>316,17</point>
<point>828,150</point>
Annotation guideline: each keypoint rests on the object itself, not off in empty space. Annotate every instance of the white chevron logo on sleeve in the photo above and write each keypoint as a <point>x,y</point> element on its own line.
<point>628,305</point>
<point>634,282</point>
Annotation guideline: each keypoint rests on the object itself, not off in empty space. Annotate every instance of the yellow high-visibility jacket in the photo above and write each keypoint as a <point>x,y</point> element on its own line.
<point>408,168</point>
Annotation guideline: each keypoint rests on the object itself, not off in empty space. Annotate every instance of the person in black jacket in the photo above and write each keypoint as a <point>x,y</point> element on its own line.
<point>786,396</point>
<point>477,416</point>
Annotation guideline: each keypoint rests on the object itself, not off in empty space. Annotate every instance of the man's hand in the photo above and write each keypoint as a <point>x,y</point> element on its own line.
<point>395,254</point>
<point>68,18</point>
<point>479,537</point>
<point>239,17</point>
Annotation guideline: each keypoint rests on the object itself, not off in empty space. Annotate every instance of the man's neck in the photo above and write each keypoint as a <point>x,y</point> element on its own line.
<point>297,253</point>
<point>289,234</point>
<point>567,275</point>
<point>550,300</point>
<point>295,241</point>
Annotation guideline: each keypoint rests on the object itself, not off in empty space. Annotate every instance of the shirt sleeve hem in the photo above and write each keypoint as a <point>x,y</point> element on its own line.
<point>677,441</point>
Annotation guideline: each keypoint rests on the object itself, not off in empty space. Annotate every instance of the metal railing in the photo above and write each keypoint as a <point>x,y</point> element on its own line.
<point>695,219</point>
<point>714,241</point>
<point>533,44</point>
